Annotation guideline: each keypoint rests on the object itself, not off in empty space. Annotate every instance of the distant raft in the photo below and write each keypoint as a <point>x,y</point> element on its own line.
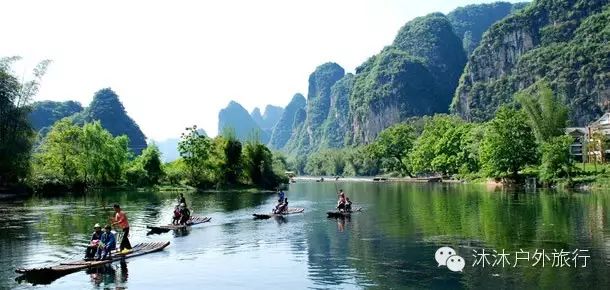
<point>194,220</point>
<point>287,212</point>
<point>68,267</point>
<point>340,214</point>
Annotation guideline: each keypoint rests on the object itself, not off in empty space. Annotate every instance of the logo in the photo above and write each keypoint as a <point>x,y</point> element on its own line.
<point>446,256</point>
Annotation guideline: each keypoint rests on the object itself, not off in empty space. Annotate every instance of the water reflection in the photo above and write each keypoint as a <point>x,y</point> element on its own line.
<point>107,275</point>
<point>390,245</point>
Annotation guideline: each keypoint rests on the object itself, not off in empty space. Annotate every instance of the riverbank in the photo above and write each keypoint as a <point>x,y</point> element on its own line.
<point>587,181</point>
<point>374,179</point>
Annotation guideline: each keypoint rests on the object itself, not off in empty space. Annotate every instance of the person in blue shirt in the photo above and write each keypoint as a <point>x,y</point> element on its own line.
<point>281,195</point>
<point>108,244</point>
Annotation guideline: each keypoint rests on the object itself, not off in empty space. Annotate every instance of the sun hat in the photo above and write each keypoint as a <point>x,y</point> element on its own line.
<point>97,226</point>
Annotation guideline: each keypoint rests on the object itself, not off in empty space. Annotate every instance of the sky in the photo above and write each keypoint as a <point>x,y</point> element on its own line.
<point>177,63</point>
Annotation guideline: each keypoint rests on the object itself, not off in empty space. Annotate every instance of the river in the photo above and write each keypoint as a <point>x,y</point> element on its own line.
<point>391,244</point>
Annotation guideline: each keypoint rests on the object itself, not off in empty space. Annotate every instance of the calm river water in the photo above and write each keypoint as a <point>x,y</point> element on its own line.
<point>391,244</point>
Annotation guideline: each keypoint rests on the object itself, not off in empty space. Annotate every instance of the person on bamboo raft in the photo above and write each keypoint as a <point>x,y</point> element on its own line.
<point>185,214</point>
<point>176,218</point>
<point>107,244</point>
<point>348,205</point>
<point>342,201</point>
<point>120,219</point>
<point>93,242</point>
<point>281,207</point>
<point>181,200</point>
<point>281,195</point>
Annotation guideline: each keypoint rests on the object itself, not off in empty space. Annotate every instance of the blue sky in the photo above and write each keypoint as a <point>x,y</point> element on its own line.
<point>177,63</point>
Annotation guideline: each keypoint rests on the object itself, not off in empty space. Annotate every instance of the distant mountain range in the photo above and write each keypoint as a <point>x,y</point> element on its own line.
<point>237,119</point>
<point>414,76</point>
<point>268,119</point>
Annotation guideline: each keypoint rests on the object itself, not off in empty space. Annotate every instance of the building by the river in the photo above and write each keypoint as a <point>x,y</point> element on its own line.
<point>588,146</point>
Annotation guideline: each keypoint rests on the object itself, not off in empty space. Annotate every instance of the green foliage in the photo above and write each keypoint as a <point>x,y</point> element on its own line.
<point>285,126</point>
<point>360,162</point>
<point>395,85</point>
<point>81,155</point>
<point>556,162</point>
<point>432,39</point>
<point>151,162</point>
<point>258,164</point>
<point>60,154</point>
<point>326,162</point>
<point>443,147</point>
<point>356,161</point>
<point>46,113</point>
<point>105,156</point>
<point>415,76</point>
<point>195,150</point>
<point>321,82</point>
<point>547,115</point>
<point>16,135</point>
<point>109,111</point>
<point>508,145</point>
<point>147,169</point>
<point>232,153</point>
<point>136,175</point>
<point>471,21</point>
<point>280,164</point>
<point>299,164</point>
<point>562,42</point>
<point>175,172</point>
<point>393,146</point>
<point>308,126</point>
<point>336,126</point>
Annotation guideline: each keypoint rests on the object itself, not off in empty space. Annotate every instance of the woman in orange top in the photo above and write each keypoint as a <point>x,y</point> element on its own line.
<point>120,219</point>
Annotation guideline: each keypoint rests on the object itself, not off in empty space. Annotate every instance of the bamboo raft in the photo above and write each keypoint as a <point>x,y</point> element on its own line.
<point>68,267</point>
<point>270,215</point>
<point>341,214</point>
<point>194,220</point>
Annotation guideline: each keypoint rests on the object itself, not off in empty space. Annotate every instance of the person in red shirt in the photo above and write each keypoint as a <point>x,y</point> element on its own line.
<point>120,219</point>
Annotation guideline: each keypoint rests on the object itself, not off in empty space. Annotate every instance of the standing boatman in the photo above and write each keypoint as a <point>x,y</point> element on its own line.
<point>120,219</point>
<point>281,195</point>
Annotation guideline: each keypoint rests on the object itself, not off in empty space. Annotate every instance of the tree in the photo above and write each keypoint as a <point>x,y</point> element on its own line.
<point>232,151</point>
<point>195,149</point>
<point>393,146</point>
<point>105,156</point>
<point>81,155</point>
<point>61,153</point>
<point>359,162</point>
<point>151,162</point>
<point>556,161</point>
<point>443,147</point>
<point>546,114</point>
<point>16,135</point>
<point>508,145</point>
<point>258,164</point>
<point>146,169</point>
<point>326,162</point>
